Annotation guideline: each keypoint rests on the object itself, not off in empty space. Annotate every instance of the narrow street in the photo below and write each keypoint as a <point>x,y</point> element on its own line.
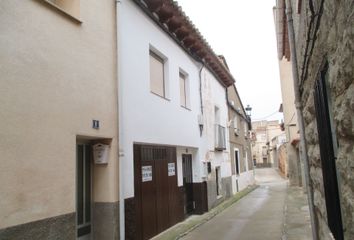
<point>176,119</point>
<point>259,215</point>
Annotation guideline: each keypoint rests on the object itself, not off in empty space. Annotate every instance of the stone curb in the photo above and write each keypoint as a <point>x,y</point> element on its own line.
<point>183,228</point>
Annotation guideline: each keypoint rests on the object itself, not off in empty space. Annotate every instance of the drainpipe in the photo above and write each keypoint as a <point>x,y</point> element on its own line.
<point>300,117</point>
<point>200,117</point>
<point>200,87</point>
<point>120,122</point>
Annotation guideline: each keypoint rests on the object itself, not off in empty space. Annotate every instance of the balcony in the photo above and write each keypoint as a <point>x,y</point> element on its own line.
<point>220,139</point>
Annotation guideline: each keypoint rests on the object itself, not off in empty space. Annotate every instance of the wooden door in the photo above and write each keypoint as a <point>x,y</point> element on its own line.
<point>156,191</point>
<point>188,183</point>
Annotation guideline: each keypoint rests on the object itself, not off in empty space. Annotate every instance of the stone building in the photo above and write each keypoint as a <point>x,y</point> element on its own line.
<point>262,134</point>
<point>323,63</point>
<point>240,144</point>
<point>274,145</point>
<point>283,160</point>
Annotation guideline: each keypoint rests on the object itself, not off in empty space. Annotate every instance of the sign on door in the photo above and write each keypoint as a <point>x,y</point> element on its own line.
<point>171,169</point>
<point>146,173</point>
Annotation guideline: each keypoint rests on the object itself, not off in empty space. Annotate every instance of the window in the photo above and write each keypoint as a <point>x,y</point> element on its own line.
<point>157,81</point>
<point>246,160</point>
<point>237,162</point>
<point>245,128</point>
<point>183,85</point>
<point>236,129</point>
<point>217,115</point>
<point>218,180</point>
<point>328,146</point>
<point>71,7</point>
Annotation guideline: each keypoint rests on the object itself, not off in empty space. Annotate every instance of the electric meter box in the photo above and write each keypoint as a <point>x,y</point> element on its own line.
<point>100,153</point>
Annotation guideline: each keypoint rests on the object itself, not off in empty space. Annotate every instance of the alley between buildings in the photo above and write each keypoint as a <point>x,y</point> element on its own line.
<point>122,121</point>
<point>272,211</point>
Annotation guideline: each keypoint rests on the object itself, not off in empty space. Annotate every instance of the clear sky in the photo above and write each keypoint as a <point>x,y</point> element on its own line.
<point>243,31</point>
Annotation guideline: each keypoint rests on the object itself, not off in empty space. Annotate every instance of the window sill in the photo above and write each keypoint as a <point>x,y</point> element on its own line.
<point>63,12</point>
<point>160,96</point>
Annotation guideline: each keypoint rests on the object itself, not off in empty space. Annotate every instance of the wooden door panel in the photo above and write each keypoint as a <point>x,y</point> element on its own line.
<point>148,195</point>
<point>175,208</point>
<point>160,157</point>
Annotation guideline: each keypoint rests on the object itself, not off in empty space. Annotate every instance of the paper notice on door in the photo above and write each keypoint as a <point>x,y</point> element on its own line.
<point>146,173</point>
<point>171,169</point>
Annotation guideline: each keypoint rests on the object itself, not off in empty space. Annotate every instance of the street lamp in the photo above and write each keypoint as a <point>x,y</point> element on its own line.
<point>248,110</point>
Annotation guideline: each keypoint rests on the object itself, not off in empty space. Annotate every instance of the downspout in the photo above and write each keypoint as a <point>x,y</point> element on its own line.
<point>200,116</point>
<point>200,87</point>
<point>300,117</point>
<point>120,123</point>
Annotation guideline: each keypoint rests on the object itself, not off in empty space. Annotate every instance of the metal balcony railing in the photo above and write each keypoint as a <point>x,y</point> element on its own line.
<point>220,139</point>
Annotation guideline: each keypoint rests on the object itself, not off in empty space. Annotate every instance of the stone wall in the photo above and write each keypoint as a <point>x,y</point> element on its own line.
<point>59,227</point>
<point>283,165</point>
<point>106,221</point>
<point>225,191</point>
<point>294,166</point>
<point>333,39</point>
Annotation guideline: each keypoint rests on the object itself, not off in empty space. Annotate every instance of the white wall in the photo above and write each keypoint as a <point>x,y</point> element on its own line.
<point>245,179</point>
<point>214,95</point>
<point>148,118</point>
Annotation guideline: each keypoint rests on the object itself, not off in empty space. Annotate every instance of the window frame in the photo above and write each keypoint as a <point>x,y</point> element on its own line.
<point>162,60</point>
<point>183,77</point>
<point>327,143</point>
<point>218,181</point>
<point>245,128</point>
<point>236,125</point>
<point>237,162</point>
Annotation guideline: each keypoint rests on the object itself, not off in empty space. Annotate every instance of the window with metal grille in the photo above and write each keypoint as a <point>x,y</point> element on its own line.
<point>327,144</point>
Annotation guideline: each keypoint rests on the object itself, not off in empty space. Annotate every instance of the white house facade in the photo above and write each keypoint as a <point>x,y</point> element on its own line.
<point>174,151</point>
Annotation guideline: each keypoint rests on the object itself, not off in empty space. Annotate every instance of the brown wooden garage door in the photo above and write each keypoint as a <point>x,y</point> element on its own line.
<point>157,196</point>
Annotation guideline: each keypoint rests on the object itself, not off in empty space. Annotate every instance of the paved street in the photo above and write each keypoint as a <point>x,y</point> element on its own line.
<point>259,215</point>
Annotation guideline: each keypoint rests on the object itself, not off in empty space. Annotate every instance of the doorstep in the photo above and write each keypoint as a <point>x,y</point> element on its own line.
<point>179,230</point>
